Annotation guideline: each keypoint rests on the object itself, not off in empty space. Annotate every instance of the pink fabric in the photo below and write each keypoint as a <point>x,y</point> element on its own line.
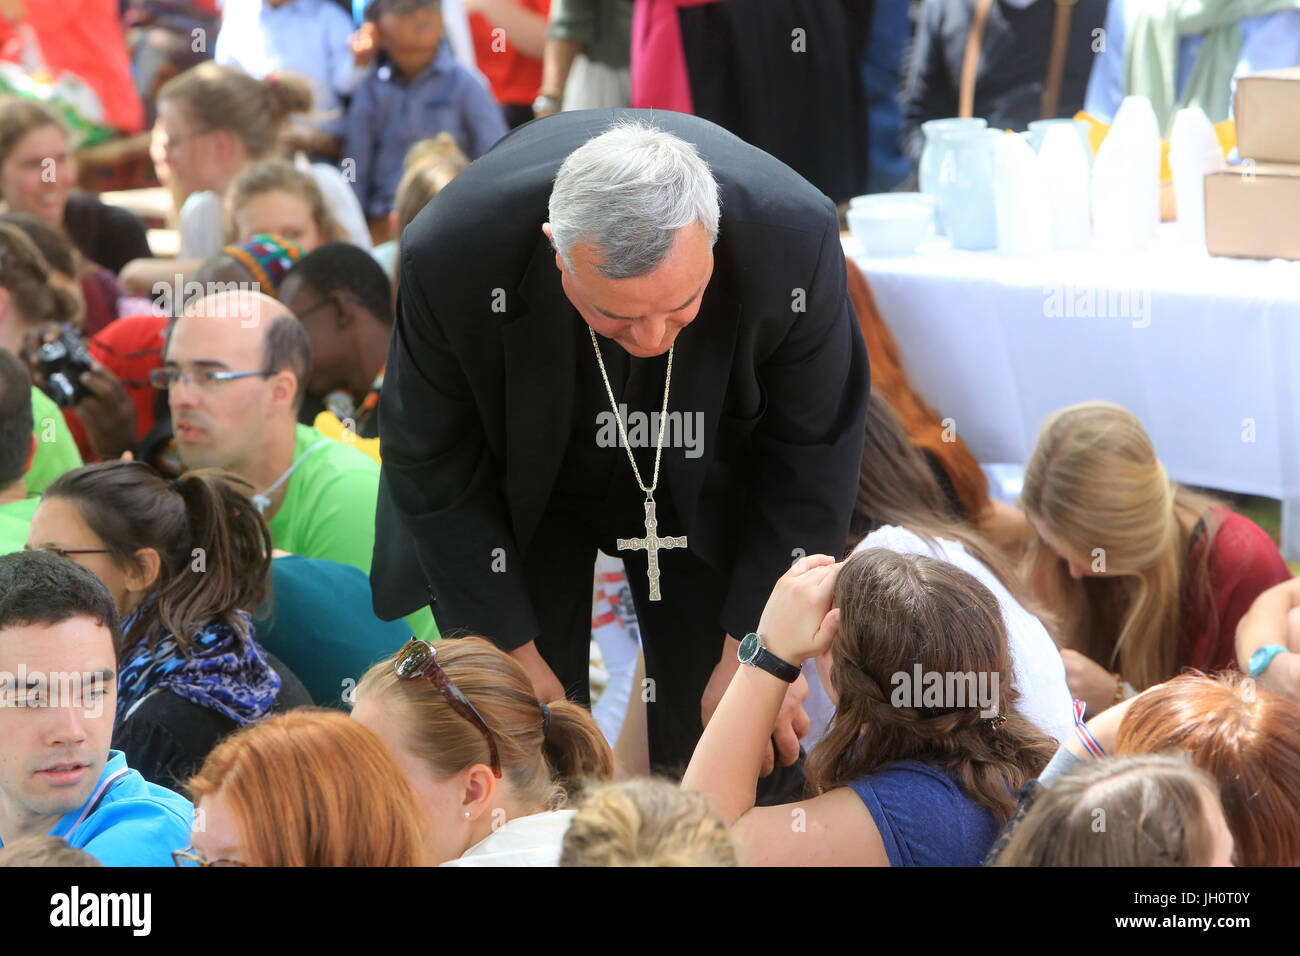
<point>659,79</point>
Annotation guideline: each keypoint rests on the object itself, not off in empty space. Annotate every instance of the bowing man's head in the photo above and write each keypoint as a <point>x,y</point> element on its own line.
<point>633,219</point>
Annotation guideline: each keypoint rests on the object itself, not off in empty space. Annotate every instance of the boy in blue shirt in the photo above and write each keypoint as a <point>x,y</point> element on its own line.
<point>417,93</point>
<point>59,628</point>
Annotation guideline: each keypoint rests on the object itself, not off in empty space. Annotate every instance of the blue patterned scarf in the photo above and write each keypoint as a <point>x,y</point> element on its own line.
<point>226,671</point>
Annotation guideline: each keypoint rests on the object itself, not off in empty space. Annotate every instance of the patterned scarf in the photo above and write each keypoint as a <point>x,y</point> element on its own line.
<point>226,671</point>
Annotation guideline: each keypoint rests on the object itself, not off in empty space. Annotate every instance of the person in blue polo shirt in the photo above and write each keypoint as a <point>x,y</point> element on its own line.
<point>58,695</point>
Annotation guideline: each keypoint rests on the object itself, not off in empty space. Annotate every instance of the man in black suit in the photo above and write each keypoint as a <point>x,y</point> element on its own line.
<point>532,294</point>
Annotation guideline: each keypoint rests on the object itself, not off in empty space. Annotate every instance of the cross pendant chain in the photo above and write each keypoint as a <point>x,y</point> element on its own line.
<point>651,544</point>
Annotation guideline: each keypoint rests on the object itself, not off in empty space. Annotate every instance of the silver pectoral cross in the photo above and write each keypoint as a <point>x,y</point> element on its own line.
<point>651,543</point>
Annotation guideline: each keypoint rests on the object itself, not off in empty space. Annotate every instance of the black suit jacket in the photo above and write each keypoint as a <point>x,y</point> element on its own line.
<point>478,395</point>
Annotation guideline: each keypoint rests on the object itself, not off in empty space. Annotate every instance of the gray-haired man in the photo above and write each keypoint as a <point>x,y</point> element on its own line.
<point>602,265</point>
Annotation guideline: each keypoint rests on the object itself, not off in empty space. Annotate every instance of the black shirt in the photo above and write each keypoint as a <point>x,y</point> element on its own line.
<point>167,737</point>
<point>595,481</point>
<point>1012,67</point>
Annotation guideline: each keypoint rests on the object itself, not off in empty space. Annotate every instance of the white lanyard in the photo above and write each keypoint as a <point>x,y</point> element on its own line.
<point>263,501</point>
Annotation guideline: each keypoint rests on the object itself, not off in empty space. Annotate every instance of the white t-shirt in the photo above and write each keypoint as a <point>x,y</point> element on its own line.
<point>525,841</point>
<point>202,225</point>
<point>1038,671</point>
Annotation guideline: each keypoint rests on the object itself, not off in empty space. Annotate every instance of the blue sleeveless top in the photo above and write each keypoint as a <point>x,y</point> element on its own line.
<point>924,817</point>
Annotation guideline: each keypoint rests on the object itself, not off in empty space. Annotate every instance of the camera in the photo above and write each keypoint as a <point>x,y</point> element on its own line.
<point>62,362</point>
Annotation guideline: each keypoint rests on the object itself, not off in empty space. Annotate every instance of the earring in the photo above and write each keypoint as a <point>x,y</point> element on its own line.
<point>466,814</point>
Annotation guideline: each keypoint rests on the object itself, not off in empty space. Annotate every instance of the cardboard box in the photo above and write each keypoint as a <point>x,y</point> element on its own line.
<point>1267,111</point>
<point>1253,212</point>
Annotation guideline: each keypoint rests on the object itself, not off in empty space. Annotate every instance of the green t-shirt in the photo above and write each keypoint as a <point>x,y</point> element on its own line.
<point>56,451</point>
<point>329,509</point>
<point>15,521</point>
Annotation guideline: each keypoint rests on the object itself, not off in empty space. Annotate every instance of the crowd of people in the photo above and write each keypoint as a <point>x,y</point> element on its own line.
<point>306,531</point>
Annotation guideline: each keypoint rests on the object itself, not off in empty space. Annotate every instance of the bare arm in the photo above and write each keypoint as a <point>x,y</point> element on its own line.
<point>139,276</point>
<point>1274,618</point>
<point>797,623</point>
<point>557,60</point>
<point>524,28</point>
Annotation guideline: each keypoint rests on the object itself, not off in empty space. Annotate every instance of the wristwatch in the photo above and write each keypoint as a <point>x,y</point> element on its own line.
<point>546,104</point>
<point>1260,660</point>
<point>752,652</point>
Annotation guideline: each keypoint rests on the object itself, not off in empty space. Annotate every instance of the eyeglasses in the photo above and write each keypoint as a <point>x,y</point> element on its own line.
<point>64,552</point>
<point>193,857</point>
<point>420,659</point>
<point>167,376</point>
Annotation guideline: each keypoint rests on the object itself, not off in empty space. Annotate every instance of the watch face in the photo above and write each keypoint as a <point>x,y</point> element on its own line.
<point>748,649</point>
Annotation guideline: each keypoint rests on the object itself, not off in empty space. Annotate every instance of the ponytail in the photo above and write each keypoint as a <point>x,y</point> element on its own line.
<point>287,93</point>
<point>575,747</point>
<point>214,549</point>
<point>228,561</point>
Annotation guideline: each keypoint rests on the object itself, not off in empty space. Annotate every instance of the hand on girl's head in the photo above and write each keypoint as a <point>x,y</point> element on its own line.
<point>798,621</point>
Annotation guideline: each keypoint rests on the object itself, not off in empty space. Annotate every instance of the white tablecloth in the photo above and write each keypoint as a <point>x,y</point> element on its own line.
<point>1204,350</point>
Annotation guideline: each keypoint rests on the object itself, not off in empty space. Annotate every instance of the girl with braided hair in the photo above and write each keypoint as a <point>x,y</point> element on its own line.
<point>905,775</point>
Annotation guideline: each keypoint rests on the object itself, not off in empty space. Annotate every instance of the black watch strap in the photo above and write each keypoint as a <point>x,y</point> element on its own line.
<point>773,664</point>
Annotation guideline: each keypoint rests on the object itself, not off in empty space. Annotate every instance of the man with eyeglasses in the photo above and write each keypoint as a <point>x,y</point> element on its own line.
<point>235,369</point>
<point>58,698</point>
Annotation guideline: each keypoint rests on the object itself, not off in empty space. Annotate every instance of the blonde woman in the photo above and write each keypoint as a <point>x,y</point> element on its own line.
<point>493,766</point>
<point>1144,577</point>
<point>213,122</point>
<point>647,822</point>
<point>274,196</point>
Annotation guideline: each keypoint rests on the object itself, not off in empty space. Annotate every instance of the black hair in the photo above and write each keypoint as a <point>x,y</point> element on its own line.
<point>15,418</point>
<point>343,267</point>
<point>40,588</point>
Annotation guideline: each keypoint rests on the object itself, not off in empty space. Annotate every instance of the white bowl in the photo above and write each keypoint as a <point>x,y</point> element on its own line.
<point>891,224</point>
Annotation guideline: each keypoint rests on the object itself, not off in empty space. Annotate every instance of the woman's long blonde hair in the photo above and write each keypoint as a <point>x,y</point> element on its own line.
<point>1095,484</point>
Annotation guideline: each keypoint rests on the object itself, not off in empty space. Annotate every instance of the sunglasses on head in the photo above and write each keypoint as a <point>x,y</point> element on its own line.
<point>420,659</point>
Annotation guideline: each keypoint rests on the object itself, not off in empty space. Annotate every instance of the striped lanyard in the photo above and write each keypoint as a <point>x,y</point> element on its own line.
<point>95,799</point>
